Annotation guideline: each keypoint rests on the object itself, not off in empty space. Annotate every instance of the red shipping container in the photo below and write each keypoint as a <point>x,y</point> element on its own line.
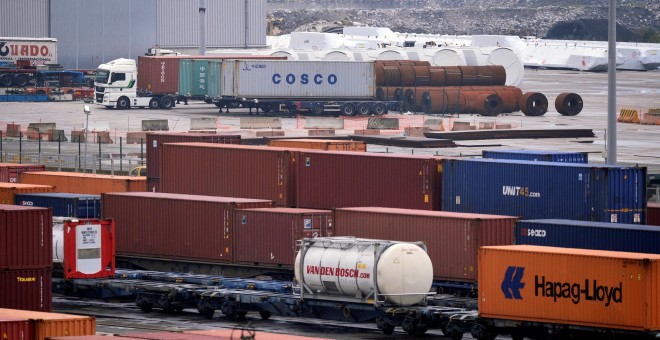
<point>9,171</point>
<point>160,74</point>
<point>26,237</point>
<point>453,239</point>
<point>28,289</point>
<point>653,213</point>
<point>258,172</point>
<point>175,226</point>
<point>15,328</point>
<point>155,143</point>
<point>268,236</point>
<point>328,180</point>
<point>89,248</point>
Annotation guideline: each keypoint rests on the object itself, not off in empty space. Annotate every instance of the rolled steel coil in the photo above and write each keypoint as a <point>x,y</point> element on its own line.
<point>484,76</point>
<point>392,76</point>
<point>455,100</point>
<point>568,104</point>
<point>409,95</point>
<point>433,101</point>
<point>388,93</point>
<point>488,104</point>
<point>534,104</point>
<point>468,75</point>
<point>422,75</point>
<point>407,74</point>
<point>454,75</point>
<point>438,76</point>
<point>498,74</point>
<point>380,75</point>
<point>421,63</point>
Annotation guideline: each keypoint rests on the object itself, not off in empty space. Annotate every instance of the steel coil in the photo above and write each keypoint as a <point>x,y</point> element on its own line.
<point>568,104</point>
<point>534,104</point>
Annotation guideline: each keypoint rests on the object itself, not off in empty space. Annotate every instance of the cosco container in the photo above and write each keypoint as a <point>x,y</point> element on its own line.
<point>592,288</point>
<point>26,235</point>
<point>81,183</point>
<point>9,171</point>
<point>64,204</point>
<point>320,144</point>
<point>175,226</point>
<point>333,179</point>
<point>278,231</point>
<point>537,190</point>
<point>653,214</point>
<point>452,239</point>
<point>537,155</point>
<point>8,191</point>
<point>28,289</point>
<point>589,235</point>
<point>298,79</point>
<point>155,143</point>
<point>229,170</point>
<point>15,328</point>
<point>200,77</point>
<point>46,325</point>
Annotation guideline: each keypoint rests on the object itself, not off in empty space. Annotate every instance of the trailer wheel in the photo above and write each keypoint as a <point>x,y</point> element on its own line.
<point>154,104</point>
<point>6,80</point>
<point>347,109</point>
<point>166,102</point>
<point>123,103</point>
<point>265,315</point>
<point>364,109</point>
<point>21,80</point>
<point>380,109</point>
<point>386,327</point>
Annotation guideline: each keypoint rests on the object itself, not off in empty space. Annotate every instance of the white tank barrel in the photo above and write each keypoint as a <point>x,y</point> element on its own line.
<point>58,239</point>
<point>399,273</point>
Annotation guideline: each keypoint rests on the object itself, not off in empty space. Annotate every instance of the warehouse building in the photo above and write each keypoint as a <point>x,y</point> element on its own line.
<point>92,32</point>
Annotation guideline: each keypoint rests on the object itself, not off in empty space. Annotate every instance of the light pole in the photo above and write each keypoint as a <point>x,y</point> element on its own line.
<point>87,111</point>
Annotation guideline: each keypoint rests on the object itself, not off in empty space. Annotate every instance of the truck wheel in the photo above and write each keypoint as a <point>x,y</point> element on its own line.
<point>363,109</point>
<point>166,102</point>
<point>6,80</point>
<point>21,80</point>
<point>154,104</point>
<point>123,103</point>
<point>347,109</point>
<point>380,109</point>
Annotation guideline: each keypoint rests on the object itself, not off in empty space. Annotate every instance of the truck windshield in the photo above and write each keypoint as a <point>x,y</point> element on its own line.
<point>102,76</point>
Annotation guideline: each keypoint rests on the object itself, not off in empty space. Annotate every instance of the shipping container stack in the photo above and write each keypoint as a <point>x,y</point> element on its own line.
<point>82,183</point>
<point>8,191</point>
<point>36,325</point>
<point>9,171</point>
<point>64,204</point>
<point>26,258</point>
<point>537,155</point>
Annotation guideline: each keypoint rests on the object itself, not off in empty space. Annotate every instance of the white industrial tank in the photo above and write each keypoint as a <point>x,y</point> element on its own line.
<point>58,239</point>
<point>398,273</point>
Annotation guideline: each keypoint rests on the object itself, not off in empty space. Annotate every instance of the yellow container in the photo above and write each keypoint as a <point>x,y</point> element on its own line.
<point>81,183</point>
<point>9,190</point>
<point>320,144</point>
<point>47,325</point>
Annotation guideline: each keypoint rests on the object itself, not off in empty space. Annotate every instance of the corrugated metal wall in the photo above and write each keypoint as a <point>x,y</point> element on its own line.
<point>25,18</point>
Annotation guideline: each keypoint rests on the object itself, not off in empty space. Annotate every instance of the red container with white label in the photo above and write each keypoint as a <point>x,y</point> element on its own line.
<point>9,171</point>
<point>86,247</point>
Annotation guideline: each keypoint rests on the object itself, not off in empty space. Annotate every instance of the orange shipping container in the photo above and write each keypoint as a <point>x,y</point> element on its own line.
<point>81,183</point>
<point>591,288</point>
<point>320,144</point>
<point>9,190</point>
<point>44,325</point>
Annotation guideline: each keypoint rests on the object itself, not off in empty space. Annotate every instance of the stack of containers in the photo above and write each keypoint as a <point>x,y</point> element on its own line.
<point>42,326</point>
<point>320,144</point>
<point>9,171</point>
<point>537,190</point>
<point>26,257</point>
<point>452,239</point>
<point>8,191</point>
<point>155,143</point>
<point>81,183</point>
<point>537,155</point>
<point>64,204</point>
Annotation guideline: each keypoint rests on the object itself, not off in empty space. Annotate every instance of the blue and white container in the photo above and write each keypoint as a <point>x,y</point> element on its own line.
<point>540,190</point>
<point>537,155</point>
<point>589,235</point>
<point>64,204</point>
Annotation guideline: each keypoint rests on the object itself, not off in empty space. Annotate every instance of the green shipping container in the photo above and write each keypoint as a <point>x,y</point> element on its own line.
<point>199,77</point>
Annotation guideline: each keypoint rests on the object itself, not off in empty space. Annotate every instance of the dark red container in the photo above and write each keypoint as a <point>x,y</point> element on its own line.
<point>28,289</point>
<point>26,237</point>
<point>160,74</point>
<point>15,328</point>
<point>175,226</point>
<point>453,239</point>
<point>229,170</point>
<point>268,236</point>
<point>328,180</point>
<point>155,143</point>
<point>653,213</point>
<point>9,171</point>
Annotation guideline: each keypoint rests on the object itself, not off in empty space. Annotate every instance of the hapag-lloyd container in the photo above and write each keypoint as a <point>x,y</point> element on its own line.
<point>9,171</point>
<point>335,179</point>
<point>592,288</point>
<point>8,191</point>
<point>452,239</point>
<point>46,325</point>
<point>155,141</point>
<point>537,155</point>
<point>537,190</point>
<point>589,235</point>
<point>175,226</point>
<point>298,79</point>
<point>229,170</point>
<point>279,229</point>
<point>653,214</point>
<point>15,328</point>
<point>81,183</point>
<point>26,237</point>
<point>28,289</point>
<point>200,77</point>
<point>320,144</point>
<point>64,204</point>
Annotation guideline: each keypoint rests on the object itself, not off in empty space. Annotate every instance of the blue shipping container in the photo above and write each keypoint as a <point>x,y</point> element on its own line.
<point>64,204</point>
<point>589,235</point>
<point>539,190</point>
<point>537,155</point>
